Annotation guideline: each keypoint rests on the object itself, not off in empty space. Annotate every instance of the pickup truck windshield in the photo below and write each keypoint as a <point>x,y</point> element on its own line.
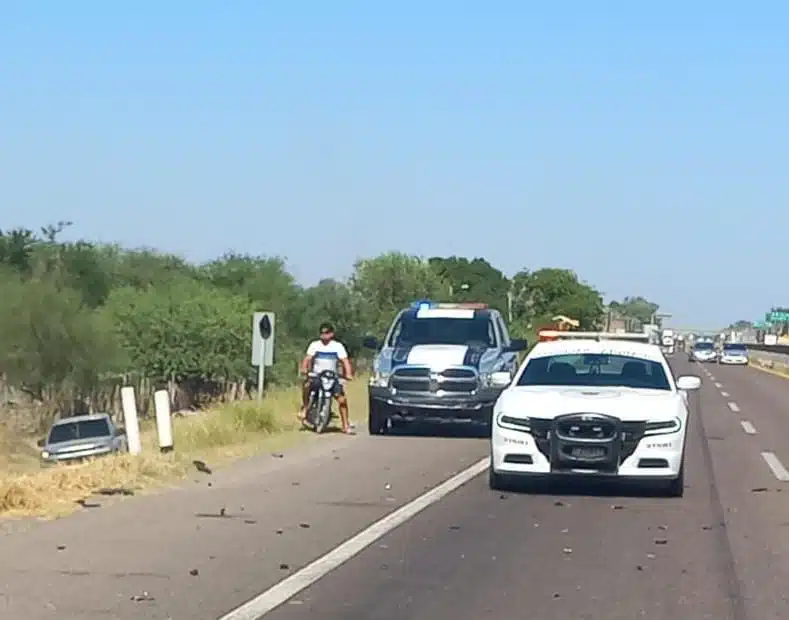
<point>595,371</point>
<point>412,331</point>
<point>734,348</point>
<point>85,429</point>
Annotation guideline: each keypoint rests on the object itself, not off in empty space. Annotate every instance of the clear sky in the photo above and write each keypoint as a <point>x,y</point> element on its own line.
<point>643,144</point>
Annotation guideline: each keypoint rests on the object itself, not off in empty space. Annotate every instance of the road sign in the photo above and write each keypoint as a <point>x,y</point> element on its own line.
<point>778,317</point>
<point>259,328</point>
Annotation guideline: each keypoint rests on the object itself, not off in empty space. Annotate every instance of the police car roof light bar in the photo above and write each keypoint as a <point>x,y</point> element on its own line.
<point>555,334</point>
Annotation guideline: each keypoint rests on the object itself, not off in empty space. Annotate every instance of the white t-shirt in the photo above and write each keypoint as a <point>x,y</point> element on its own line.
<point>326,356</point>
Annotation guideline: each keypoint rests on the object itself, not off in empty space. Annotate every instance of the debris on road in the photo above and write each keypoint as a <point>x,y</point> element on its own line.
<point>277,455</point>
<point>137,598</point>
<point>202,467</point>
<point>194,572</point>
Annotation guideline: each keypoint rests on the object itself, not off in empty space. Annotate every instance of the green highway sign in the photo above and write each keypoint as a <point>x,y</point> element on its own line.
<point>778,317</point>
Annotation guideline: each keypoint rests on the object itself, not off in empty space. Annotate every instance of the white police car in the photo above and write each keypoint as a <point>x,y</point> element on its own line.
<point>592,406</point>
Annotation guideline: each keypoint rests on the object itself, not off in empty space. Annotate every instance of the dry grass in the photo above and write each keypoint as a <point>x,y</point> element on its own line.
<point>218,436</point>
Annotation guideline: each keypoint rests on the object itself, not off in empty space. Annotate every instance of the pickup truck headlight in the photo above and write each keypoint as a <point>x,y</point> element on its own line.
<point>663,427</point>
<point>513,423</point>
<point>380,379</point>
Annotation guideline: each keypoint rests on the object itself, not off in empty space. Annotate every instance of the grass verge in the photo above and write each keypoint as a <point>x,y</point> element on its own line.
<point>216,436</point>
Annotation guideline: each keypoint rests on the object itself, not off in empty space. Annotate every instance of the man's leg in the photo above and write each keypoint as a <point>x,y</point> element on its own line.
<point>342,401</point>
<point>305,398</point>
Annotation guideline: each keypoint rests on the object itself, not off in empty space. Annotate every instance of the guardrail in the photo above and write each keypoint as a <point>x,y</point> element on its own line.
<point>780,349</point>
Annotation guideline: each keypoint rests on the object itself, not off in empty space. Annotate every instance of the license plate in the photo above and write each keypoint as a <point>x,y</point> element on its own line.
<point>588,452</point>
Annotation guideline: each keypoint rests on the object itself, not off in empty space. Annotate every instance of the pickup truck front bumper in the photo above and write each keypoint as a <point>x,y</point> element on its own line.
<point>434,408</point>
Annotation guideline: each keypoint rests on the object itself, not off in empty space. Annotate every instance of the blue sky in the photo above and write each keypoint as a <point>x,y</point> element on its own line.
<point>644,145</point>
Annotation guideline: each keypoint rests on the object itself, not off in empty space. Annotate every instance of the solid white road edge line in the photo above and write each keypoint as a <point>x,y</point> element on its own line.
<point>775,465</point>
<point>725,394</point>
<point>734,407</point>
<point>302,579</point>
<point>748,427</point>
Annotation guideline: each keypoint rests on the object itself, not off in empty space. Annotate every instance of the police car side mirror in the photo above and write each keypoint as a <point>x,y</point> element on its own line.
<point>518,345</point>
<point>688,382</point>
<point>500,379</point>
<point>370,343</point>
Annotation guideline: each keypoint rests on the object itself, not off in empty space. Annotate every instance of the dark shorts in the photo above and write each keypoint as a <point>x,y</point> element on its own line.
<point>315,383</point>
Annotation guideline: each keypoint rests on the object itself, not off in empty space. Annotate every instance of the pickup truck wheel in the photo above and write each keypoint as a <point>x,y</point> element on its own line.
<point>376,420</point>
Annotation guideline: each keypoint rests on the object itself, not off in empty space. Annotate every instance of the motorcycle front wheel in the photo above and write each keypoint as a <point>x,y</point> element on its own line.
<point>322,414</point>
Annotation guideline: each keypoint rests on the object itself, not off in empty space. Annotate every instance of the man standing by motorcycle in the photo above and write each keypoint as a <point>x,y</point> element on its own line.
<point>326,353</point>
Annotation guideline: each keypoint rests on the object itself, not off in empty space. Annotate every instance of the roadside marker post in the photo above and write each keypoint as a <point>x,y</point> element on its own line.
<point>130,420</point>
<point>164,421</point>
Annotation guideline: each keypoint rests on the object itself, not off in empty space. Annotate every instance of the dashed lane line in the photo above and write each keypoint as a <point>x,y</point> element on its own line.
<point>748,427</point>
<point>725,394</point>
<point>776,467</point>
<point>734,407</point>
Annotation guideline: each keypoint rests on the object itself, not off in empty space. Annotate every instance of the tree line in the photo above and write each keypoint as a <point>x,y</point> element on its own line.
<point>81,319</point>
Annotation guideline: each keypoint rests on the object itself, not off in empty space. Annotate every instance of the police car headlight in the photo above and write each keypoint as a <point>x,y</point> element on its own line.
<point>513,423</point>
<point>663,427</point>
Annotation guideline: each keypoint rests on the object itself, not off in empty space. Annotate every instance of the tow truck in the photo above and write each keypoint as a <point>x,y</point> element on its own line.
<point>440,362</point>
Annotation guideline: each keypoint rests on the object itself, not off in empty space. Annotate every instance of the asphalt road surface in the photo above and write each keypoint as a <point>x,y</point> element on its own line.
<point>720,552</point>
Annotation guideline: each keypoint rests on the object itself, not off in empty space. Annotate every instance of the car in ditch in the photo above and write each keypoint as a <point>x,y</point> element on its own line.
<point>593,406</point>
<point>440,363</point>
<point>77,438</point>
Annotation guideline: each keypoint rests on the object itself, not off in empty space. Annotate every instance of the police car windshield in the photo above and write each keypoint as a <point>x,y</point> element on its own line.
<point>413,331</point>
<point>595,370</point>
<point>734,347</point>
<point>703,346</point>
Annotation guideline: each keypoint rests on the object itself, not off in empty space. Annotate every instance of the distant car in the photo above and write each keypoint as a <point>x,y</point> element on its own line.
<point>593,408</point>
<point>734,353</point>
<point>81,437</point>
<point>703,352</point>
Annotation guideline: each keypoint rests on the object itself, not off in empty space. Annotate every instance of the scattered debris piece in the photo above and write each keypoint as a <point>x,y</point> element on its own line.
<point>194,572</point>
<point>85,504</point>
<point>454,527</point>
<point>61,547</point>
<point>250,521</point>
<point>137,598</point>
<point>304,526</point>
<point>202,467</point>
<point>284,567</point>
<point>759,490</point>
<point>617,506</point>
<point>661,541</point>
<point>277,455</point>
<point>568,550</point>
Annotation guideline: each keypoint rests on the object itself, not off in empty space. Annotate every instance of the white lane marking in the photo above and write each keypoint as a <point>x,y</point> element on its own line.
<point>748,427</point>
<point>725,394</point>
<point>718,385</point>
<point>734,407</point>
<point>302,579</point>
<point>775,465</point>
<point>711,377</point>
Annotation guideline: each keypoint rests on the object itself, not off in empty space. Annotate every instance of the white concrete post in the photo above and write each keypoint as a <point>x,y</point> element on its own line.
<point>130,420</point>
<point>164,423</point>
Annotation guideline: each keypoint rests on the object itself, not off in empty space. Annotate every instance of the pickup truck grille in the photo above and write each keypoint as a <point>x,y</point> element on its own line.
<point>423,380</point>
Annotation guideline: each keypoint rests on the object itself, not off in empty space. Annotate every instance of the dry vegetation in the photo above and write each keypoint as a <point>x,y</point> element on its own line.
<point>215,436</point>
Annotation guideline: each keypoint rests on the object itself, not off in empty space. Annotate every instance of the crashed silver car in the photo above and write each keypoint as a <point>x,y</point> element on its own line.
<point>81,437</point>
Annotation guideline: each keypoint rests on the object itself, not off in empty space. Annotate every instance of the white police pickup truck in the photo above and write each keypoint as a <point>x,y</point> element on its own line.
<point>440,362</point>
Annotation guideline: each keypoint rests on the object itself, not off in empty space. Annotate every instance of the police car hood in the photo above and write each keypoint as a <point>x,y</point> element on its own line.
<point>629,404</point>
<point>436,356</point>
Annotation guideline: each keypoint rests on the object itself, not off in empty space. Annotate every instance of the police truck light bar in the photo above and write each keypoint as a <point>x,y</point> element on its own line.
<point>470,305</point>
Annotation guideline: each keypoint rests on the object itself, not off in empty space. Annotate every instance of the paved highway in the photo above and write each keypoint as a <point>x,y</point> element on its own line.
<point>720,552</point>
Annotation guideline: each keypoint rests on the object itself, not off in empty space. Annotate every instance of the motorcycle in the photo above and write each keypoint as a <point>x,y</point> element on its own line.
<point>319,409</point>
